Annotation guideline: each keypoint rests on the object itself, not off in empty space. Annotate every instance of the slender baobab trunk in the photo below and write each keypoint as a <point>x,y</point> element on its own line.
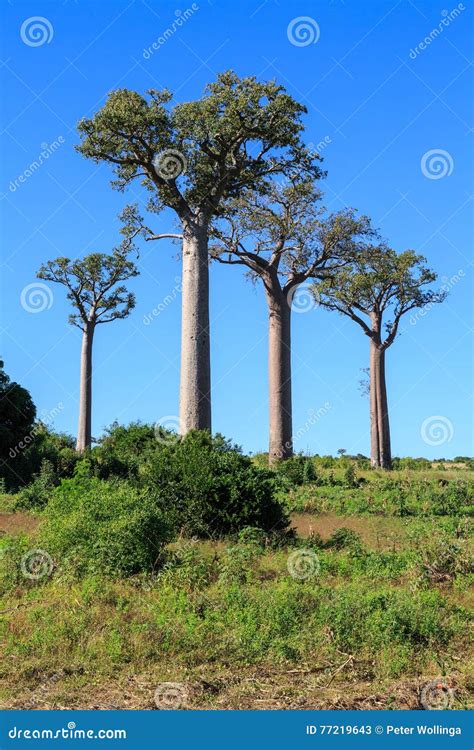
<point>380,453</point>
<point>384,424</point>
<point>279,371</point>
<point>195,388</point>
<point>84,430</point>
<point>374,424</point>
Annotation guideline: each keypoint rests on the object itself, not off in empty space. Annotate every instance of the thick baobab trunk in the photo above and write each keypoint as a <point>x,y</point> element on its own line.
<point>84,430</point>
<point>195,387</point>
<point>279,371</point>
<point>381,456</point>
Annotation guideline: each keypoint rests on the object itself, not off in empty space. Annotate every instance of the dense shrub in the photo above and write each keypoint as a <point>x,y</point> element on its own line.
<point>344,538</point>
<point>123,449</point>
<point>211,488</point>
<point>108,527</point>
<point>35,495</point>
<point>297,470</point>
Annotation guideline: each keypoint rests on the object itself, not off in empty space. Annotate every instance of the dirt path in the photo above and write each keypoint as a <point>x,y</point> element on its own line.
<point>16,523</point>
<point>378,532</point>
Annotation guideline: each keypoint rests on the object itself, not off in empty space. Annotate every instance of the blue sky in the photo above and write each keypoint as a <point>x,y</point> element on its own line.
<point>379,100</point>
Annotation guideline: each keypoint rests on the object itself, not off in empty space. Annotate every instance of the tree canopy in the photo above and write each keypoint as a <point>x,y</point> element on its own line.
<point>92,286</point>
<point>285,230</point>
<point>196,153</point>
<point>379,283</point>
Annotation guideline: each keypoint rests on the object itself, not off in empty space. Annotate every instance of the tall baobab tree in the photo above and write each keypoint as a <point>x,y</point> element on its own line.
<point>379,283</point>
<point>283,237</point>
<point>97,296</point>
<point>192,157</point>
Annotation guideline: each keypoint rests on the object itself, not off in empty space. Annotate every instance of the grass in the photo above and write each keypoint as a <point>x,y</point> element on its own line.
<point>379,615</point>
<point>400,493</point>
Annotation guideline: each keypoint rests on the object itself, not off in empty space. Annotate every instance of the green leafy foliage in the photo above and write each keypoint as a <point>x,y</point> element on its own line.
<point>17,416</point>
<point>297,470</point>
<point>93,285</point>
<point>105,527</point>
<point>239,132</point>
<point>211,488</point>
<point>123,449</point>
<point>37,494</point>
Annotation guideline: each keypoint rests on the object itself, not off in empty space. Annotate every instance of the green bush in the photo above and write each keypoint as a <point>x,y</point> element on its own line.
<point>123,449</point>
<point>297,469</point>
<point>344,538</point>
<point>350,476</point>
<point>211,489</point>
<point>37,494</point>
<point>106,527</point>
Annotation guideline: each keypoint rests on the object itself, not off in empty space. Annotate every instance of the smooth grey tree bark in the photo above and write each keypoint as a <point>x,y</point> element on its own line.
<point>380,449</point>
<point>279,373</point>
<point>195,379</point>
<point>84,429</point>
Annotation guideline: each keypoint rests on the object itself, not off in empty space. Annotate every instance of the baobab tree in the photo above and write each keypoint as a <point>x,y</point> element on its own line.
<point>97,296</point>
<point>379,283</point>
<point>192,157</point>
<point>284,238</point>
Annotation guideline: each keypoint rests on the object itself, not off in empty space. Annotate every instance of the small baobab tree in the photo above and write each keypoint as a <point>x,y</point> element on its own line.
<point>283,238</point>
<point>379,283</point>
<point>191,157</point>
<point>97,295</point>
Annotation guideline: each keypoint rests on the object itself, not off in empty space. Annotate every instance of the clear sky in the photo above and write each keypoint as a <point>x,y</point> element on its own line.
<point>378,100</point>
